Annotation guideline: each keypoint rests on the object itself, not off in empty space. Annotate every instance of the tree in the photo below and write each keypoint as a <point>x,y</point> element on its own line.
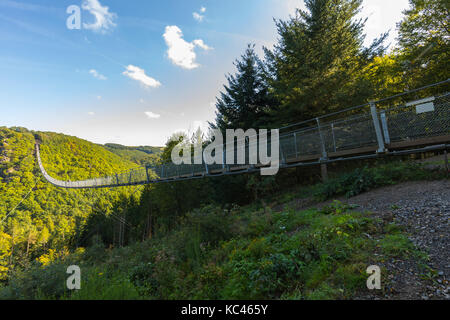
<point>5,253</point>
<point>424,42</point>
<point>316,66</point>
<point>246,98</point>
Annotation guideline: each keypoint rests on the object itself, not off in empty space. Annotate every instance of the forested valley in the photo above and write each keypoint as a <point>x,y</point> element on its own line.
<point>226,237</point>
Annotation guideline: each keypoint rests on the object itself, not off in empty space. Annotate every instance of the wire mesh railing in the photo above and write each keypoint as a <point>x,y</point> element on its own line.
<point>376,127</point>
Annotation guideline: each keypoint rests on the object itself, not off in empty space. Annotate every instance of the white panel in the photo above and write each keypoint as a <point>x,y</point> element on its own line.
<point>426,107</point>
<point>413,103</point>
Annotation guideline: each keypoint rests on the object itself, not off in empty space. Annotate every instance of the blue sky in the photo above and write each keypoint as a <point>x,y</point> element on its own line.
<point>136,71</point>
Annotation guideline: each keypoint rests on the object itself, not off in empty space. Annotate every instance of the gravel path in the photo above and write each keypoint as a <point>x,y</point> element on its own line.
<point>423,209</point>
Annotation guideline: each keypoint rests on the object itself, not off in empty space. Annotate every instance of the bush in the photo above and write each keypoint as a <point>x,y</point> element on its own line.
<point>100,286</point>
<point>212,225</point>
<point>365,179</point>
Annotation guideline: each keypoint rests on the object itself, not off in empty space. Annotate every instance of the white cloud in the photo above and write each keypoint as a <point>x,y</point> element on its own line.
<point>181,52</point>
<point>97,75</point>
<point>293,5</point>
<point>152,115</point>
<point>138,74</point>
<point>99,97</point>
<point>91,113</point>
<point>198,16</point>
<point>382,16</point>
<point>104,20</point>
<point>199,43</point>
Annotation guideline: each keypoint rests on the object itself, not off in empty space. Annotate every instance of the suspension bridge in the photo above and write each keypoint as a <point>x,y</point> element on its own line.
<point>388,127</point>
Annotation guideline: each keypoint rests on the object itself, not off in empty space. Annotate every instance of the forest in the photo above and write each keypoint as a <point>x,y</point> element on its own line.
<point>222,238</point>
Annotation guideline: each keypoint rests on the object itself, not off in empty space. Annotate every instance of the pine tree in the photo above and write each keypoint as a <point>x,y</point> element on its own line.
<point>246,98</point>
<point>424,42</point>
<point>316,66</point>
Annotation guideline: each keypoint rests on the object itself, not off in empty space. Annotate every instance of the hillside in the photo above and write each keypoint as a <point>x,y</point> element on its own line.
<point>254,252</point>
<point>274,247</point>
<point>50,219</point>
<point>141,155</point>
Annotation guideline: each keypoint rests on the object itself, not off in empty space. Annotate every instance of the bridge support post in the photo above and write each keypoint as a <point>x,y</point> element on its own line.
<point>225,166</point>
<point>295,143</point>
<point>323,166</point>
<point>324,172</point>
<point>322,142</point>
<point>376,123</point>
<point>334,137</point>
<point>384,124</point>
<point>283,158</point>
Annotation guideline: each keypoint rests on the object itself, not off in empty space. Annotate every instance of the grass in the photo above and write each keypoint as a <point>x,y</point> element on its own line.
<point>260,255</point>
<point>361,180</point>
<point>247,252</point>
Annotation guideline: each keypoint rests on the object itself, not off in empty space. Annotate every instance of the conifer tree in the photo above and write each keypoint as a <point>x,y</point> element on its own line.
<point>424,42</point>
<point>316,66</point>
<point>244,101</point>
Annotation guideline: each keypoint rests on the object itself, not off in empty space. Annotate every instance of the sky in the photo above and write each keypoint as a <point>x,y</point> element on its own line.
<point>134,72</point>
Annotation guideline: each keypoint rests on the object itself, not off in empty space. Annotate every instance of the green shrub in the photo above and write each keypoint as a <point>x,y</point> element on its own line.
<point>365,179</point>
<point>97,285</point>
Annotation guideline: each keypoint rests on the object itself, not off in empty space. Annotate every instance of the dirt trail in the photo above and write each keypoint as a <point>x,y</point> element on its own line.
<point>423,208</point>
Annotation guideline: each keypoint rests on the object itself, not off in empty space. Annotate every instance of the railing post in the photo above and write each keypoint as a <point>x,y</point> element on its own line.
<point>225,167</point>
<point>323,166</point>
<point>283,158</point>
<point>334,137</point>
<point>295,143</point>
<point>376,123</point>
<point>387,138</point>
<point>322,142</point>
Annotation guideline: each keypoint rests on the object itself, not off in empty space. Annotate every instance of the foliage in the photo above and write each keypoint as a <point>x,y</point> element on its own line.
<point>246,98</point>
<point>364,179</point>
<point>98,285</point>
<point>219,254</point>
<point>315,68</point>
<point>423,50</point>
<point>50,219</point>
<point>141,155</point>
<point>205,238</point>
